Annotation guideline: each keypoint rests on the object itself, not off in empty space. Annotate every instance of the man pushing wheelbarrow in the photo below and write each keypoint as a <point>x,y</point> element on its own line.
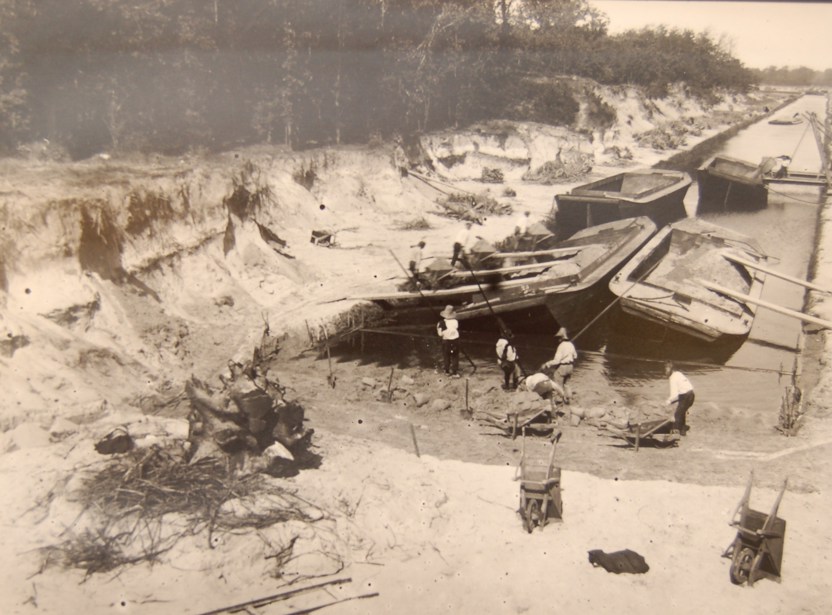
<point>681,397</point>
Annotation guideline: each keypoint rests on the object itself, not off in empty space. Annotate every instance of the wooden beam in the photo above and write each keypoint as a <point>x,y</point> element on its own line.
<point>771,306</point>
<point>775,273</point>
<point>550,252</point>
<point>515,269</point>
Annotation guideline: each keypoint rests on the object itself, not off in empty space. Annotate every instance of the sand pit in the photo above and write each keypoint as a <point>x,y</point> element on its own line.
<point>414,534</point>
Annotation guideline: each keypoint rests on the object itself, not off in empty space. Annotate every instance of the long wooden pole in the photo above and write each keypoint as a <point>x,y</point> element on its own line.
<point>775,273</point>
<point>771,306</point>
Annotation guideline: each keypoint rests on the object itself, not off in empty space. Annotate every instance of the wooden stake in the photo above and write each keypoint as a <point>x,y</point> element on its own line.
<point>466,395</point>
<point>415,443</point>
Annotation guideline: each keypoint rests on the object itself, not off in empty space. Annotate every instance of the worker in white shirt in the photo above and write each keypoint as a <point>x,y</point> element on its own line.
<point>565,357</point>
<point>416,260</point>
<point>461,242</point>
<point>544,386</point>
<point>448,330</point>
<point>508,360</point>
<point>521,230</point>
<point>521,227</point>
<point>681,397</point>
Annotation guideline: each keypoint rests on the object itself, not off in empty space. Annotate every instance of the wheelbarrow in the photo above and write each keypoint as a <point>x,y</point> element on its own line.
<point>537,420</point>
<point>757,550</point>
<point>540,489</point>
<point>658,432</point>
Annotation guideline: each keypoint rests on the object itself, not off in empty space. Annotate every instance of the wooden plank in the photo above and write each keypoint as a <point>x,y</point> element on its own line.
<point>771,306</point>
<point>516,268</point>
<point>775,273</point>
<point>550,252</point>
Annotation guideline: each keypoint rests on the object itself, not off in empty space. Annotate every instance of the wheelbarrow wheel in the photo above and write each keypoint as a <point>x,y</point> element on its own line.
<point>741,565</point>
<point>532,514</point>
<point>524,513</point>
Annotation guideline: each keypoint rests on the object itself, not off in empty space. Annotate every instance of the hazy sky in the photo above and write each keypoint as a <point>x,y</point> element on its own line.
<point>762,33</point>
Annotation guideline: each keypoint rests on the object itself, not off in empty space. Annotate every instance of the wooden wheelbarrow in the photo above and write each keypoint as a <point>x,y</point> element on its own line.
<point>537,420</point>
<point>757,550</point>
<point>655,432</point>
<point>540,489</point>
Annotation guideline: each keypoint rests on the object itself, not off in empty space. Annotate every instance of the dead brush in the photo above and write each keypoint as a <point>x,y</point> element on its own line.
<point>132,494</point>
<point>416,224</point>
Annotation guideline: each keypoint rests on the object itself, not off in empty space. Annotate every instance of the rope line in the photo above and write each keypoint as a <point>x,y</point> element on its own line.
<point>794,198</point>
<point>590,352</point>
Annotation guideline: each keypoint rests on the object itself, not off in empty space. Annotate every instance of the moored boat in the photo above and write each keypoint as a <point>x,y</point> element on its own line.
<point>557,281</point>
<point>786,121</point>
<point>669,281</point>
<point>730,184</point>
<point>656,193</point>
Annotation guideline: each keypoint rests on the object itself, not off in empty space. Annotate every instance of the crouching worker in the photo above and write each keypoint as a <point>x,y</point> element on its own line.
<point>681,397</point>
<point>544,386</point>
<point>508,360</point>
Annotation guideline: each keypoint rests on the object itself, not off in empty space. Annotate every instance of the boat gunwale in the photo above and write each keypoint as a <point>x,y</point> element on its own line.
<point>586,192</point>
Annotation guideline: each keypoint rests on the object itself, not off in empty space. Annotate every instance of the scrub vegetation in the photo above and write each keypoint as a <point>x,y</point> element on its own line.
<point>172,76</point>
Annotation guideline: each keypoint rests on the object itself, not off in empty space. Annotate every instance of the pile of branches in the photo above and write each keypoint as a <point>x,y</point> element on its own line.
<point>564,169</point>
<point>492,176</point>
<point>473,208</point>
<point>130,496</point>
<point>671,136</point>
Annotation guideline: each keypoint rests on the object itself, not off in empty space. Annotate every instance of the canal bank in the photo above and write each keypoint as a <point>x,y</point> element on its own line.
<point>816,364</point>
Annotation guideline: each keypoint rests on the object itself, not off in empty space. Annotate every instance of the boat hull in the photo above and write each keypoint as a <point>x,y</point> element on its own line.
<point>573,301</point>
<point>659,284</point>
<point>728,184</point>
<point>655,194</point>
<point>567,291</point>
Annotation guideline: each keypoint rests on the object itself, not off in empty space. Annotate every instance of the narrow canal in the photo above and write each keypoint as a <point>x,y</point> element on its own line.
<point>622,357</point>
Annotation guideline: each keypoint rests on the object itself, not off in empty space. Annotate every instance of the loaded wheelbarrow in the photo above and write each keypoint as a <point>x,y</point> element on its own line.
<point>536,420</point>
<point>658,432</point>
<point>757,551</point>
<point>540,489</point>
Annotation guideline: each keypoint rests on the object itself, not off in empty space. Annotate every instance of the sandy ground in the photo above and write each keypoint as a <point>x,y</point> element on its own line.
<point>433,532</point>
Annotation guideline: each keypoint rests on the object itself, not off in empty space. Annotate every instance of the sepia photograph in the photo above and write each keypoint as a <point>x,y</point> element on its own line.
<point>415,306</point>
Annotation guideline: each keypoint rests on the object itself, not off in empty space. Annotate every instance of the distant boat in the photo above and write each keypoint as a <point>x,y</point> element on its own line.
<point>730,184</point>
<point>666,281</point>
<point>656,193</point>
<point>561,281</point>
<point>786,121</point>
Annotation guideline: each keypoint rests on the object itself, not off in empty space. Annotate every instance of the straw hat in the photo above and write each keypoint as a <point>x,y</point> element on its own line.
<point>562,333</point>
<point>448,312</point>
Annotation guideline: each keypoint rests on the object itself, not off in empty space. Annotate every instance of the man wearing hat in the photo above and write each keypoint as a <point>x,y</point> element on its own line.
<point>508,360</point>
<point>565,356</point>
<point>448,330</point>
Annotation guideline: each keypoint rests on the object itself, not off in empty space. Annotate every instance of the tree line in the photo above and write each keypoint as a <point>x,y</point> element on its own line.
<point>171,75</point>
<point>800,76</point>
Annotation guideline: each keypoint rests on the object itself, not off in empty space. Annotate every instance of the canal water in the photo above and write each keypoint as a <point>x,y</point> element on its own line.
<point>624,357</point>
